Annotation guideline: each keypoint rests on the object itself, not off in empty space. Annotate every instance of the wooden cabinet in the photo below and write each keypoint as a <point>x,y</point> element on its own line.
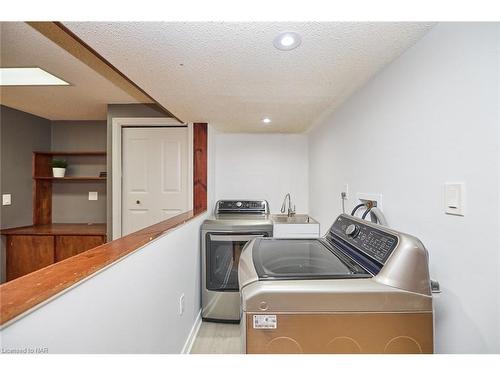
<point>68,246</point>
<point>30,248</point>
<point>26,254</point>
<point>39,245</point>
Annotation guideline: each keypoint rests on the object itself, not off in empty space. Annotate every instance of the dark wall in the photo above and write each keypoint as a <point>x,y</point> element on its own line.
<point>70,203</point>
<point>79,135</point>
<point>21,133</point>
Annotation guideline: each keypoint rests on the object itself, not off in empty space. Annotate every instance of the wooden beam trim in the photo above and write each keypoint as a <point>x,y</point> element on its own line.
<point>200,159</point>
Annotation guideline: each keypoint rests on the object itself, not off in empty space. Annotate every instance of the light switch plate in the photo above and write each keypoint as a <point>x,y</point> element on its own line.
<point>454,199</point>
<point>6,200</point>
<point>92,195</point>
<point>346,191</point>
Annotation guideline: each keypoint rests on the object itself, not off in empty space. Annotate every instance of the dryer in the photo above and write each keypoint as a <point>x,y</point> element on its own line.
<point>363,288</point>
<point>223,236</point>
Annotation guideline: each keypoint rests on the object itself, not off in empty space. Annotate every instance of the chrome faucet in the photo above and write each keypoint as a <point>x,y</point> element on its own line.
<point>283,206</point>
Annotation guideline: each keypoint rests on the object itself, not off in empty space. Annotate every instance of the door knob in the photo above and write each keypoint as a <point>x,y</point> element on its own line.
<point>138,202</point>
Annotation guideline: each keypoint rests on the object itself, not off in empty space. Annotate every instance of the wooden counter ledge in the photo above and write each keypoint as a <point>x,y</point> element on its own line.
<point>58,230</point>
<point>24,293</point>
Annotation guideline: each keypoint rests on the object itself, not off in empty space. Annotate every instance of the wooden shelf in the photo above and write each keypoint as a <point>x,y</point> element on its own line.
<point>71,178</point>
<point>68,153</point>
<point>43,180</point>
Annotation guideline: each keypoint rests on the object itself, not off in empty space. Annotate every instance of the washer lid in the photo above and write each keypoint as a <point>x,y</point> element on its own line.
<point>302,259</point>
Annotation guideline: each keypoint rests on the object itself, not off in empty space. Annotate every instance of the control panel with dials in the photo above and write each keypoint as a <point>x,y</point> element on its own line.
<point>241,206</point>
<point>375,243</point>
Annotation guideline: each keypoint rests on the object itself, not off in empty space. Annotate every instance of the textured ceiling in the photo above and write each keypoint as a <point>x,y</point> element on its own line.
<point>86,98</point>
<point>229,74</point>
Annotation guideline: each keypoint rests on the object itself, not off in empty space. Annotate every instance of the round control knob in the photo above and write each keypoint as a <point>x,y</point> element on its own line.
<point>352,230</point>
<point>238,204</point>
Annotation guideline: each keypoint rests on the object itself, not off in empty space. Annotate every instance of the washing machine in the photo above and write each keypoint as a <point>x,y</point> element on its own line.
<point>363,288</point>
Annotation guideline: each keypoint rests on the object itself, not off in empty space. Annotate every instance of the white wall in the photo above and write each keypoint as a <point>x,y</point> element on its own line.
<point>131,307</point>
<point>431,117</point>
<point>262,166</point>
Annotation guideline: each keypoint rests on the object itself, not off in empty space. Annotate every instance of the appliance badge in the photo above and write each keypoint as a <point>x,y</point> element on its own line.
<point>265,322</point>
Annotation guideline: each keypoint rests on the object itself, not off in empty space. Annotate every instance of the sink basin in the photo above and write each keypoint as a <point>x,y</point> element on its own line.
<point>296,226</point>
<point>295,219</point>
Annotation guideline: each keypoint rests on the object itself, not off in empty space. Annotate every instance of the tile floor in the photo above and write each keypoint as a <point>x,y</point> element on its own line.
<point>217,338</point>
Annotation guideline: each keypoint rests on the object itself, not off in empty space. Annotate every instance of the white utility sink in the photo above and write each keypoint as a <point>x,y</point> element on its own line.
<point>296,226</point>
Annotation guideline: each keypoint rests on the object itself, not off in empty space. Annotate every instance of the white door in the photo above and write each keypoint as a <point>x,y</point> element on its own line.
<point>154,175</point>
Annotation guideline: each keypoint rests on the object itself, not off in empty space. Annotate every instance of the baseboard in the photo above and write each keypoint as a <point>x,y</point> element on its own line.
<point>186,349</point>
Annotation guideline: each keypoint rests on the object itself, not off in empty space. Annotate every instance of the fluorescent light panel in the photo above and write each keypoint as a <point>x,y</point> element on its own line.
<point>28,77</point>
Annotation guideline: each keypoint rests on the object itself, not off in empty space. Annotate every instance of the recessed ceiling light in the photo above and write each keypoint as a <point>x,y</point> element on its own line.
<point>266,120</point>
<point>287,41</point>
<point>28,77</point>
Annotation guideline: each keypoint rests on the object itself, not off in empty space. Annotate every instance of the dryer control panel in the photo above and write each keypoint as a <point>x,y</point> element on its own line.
<point>373,242</point>
<point>241,206</point>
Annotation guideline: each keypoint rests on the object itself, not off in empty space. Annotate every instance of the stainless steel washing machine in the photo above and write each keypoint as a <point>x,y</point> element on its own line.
<point>223,236</point>
<point>363,288</point>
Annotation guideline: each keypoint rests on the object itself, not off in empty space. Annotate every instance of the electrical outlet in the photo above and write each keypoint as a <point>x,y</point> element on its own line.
<point>93,195</point>
<point>6,200</point>
<point>181,304</point>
